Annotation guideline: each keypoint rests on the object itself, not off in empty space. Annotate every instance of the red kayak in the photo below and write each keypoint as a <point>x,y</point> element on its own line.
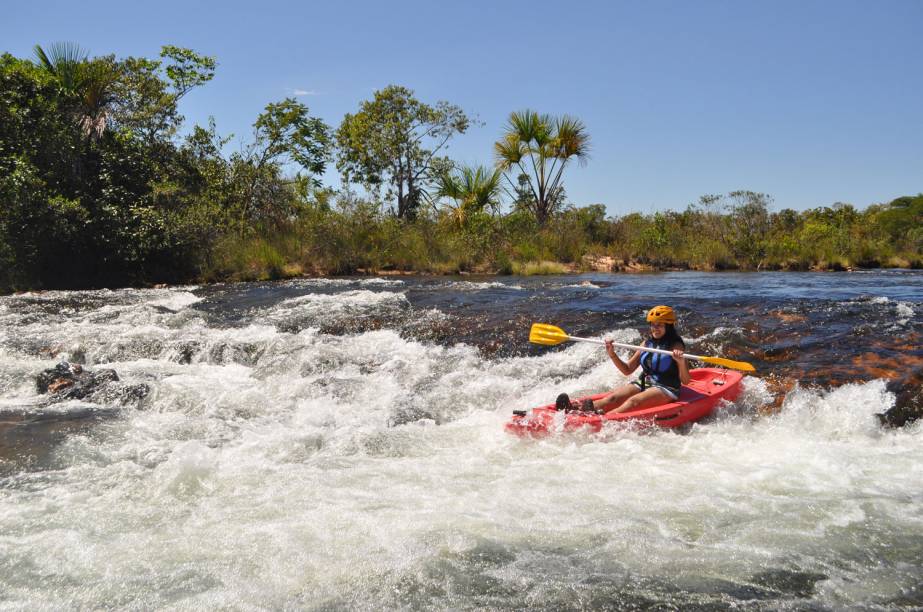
<point>696,400</point>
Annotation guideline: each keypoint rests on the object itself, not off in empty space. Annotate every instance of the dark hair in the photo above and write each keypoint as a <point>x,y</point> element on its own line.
<point>670,336</point>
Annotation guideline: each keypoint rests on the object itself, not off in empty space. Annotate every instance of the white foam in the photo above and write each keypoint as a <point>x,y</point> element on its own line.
<point>718,332</point>
<point>905,312</point>
<point>344,300</point>
<point>280,469</point>
<point>310,283</point>
<point>480,286</point>
<point>177,300</point>
<point>381,282</point>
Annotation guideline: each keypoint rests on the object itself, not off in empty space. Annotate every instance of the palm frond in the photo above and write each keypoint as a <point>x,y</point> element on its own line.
<point>530,127</point>
<point>63,60</point>
<point>571,139</point>
<point>60,53</point>
<point>89,83</point>
<point>472,189</point>
<point>448,186</point>
<point>509,151</point>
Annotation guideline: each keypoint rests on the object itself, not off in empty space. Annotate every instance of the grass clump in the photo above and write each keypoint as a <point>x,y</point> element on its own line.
<point>538,268</point>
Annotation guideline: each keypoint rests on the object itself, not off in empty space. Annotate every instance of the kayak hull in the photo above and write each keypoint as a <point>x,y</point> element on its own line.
<point>698,399</point>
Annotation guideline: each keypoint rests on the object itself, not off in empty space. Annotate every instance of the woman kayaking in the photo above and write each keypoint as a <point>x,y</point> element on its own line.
<point>661,374</point>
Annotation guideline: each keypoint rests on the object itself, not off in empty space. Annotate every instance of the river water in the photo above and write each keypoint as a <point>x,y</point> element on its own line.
<point>339,444</point>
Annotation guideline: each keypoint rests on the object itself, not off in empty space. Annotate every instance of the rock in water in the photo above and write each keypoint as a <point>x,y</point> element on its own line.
<point>907,408</point>
<point>67,381</point>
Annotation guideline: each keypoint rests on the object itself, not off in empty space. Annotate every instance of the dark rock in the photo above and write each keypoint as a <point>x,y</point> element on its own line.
<point>70,381</point>
<point>125,395</point>
<point>187,351</point>
<point>56,377</point>
<point>795,583</point>
<point>908,406</point>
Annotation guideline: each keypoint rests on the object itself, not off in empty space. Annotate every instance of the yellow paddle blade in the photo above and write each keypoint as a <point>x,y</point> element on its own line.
<point>548,335</point>
<point>728,363</point>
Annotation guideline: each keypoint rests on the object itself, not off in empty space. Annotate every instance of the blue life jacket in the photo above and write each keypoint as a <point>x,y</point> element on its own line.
<point>658,368</point>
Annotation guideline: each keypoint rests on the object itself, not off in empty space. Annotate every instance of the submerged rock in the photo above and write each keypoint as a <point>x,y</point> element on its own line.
<point>71,381</point>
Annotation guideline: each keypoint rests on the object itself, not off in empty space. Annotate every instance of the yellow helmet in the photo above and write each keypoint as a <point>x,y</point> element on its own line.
<point>661,314</point>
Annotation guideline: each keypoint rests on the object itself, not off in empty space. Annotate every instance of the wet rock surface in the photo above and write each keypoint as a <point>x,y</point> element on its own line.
<point>908,405</point>
<point>71,381</point>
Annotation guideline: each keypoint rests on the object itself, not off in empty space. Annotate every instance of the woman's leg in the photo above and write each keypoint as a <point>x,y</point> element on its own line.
<point>615,399</point>
<point>650,397</point>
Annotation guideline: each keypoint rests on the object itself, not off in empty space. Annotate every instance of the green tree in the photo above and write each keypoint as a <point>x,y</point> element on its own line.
<point>704,232</point>
<point>283,135</point>
<point>592,220</point>
<point>540,146</point>
<point>471,189</point>
<point>655,238</point>
<point>522,194</point>
<point>148,91</point>
<point>393,141</point>
<point>42,218</point>
<point>749,225</point>
<point>902,221</point>
<point>85,204</point>
<point>783,247</point>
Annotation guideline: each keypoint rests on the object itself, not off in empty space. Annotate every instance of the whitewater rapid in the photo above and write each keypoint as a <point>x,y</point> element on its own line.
<point>276,465</point>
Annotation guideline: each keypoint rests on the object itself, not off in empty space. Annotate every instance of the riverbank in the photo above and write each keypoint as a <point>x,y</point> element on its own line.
<point>607,265</point>
<point>257,271</point>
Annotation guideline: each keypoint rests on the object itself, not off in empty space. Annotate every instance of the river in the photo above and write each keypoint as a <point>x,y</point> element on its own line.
<point>339,444</point>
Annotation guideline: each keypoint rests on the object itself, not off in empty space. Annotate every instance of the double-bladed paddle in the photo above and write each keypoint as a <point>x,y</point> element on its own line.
<point>550,335</point>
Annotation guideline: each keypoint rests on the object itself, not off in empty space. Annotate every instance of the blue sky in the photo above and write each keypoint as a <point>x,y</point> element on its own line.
<point>811,102</point>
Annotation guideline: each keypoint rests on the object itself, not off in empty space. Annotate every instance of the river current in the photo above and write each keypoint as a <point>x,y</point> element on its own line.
<point>339,444</point>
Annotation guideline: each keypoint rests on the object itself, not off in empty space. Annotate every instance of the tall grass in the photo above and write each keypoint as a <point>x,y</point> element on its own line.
<point>538,268</point>
<point>356,237</point>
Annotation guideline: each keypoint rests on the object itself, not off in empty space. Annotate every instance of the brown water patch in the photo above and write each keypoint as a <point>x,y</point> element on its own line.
<point>780,387</point>
<point>873,365</point>
<point>775,355</point>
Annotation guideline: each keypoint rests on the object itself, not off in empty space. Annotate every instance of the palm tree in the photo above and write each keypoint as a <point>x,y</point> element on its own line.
<point>89,82</point>
<point>471,188</point>
<point>540,146</point>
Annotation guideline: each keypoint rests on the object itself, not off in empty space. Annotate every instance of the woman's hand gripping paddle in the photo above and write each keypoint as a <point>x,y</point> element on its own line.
<point>549,335</point>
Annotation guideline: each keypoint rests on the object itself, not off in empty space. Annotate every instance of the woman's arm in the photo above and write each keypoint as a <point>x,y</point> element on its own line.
<point>680,360</point>
<point>624,368</point>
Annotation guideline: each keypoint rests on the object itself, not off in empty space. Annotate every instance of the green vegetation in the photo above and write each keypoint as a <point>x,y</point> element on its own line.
<point>738,231</point>
<point>100,185</point>
<point>470,191</point>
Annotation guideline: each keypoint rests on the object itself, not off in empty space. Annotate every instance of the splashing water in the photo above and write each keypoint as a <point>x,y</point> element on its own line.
<point>339,444</point>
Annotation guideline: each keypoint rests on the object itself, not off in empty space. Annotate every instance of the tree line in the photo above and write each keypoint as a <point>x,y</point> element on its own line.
<point>101,186</point>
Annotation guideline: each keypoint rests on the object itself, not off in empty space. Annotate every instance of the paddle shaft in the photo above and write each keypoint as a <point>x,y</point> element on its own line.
<point>632,346</point>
